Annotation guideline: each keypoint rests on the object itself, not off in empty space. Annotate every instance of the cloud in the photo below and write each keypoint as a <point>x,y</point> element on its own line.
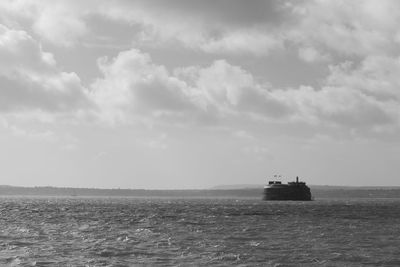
<point>60,25</point>
<point>351,98</point>
<point>134,85</point>
<point>225,28</point>
<point>375,76</point>
<point>316,28</point>
<point>20,50</point>
<point>359,40</point>
<point>238,43</point>
<point>362,97</point>
<point>190,27</point>
<point>30,79</point>
<point>359,28</point>
<point>343,107</point>
<point>310,54</point>
<point>232,88</point>
<point>373,88</point>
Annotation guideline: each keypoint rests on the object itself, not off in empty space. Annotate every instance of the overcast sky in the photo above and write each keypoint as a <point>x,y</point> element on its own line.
<point>193,94</point>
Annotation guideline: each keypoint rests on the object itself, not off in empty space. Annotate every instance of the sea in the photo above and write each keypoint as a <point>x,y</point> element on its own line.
<point>79,231</point>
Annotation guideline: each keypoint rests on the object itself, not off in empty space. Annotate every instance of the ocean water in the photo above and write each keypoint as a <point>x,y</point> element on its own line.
<point>198,232</point>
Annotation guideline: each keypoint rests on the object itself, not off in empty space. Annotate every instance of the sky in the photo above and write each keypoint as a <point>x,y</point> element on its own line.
<point>184,94</point>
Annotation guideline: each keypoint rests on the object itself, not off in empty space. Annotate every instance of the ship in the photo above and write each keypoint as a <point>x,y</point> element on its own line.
<point>297,190</point>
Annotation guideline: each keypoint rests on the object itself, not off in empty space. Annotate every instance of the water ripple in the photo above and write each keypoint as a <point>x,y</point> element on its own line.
<point>201,232</point>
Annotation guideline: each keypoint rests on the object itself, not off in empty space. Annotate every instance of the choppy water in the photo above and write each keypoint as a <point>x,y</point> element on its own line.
<point>169,232</point>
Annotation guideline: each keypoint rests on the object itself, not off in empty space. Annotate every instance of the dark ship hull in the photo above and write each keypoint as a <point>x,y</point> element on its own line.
<point>275,190</point>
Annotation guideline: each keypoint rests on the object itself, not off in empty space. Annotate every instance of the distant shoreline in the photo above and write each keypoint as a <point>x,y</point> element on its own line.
<point>318,192</point>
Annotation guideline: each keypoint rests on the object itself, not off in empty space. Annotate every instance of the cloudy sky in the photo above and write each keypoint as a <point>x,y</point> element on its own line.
<point>193,94</point>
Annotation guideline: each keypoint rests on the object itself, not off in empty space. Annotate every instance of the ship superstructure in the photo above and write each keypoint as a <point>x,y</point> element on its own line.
<point>297,190</point>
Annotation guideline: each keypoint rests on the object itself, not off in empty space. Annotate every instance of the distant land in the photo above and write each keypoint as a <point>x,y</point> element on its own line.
<point>225,191</point>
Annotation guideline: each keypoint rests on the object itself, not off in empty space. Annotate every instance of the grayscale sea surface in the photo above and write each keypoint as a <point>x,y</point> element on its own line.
<point>198,232</point>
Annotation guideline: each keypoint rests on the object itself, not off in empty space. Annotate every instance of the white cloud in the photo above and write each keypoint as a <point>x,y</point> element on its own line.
<point>310,54</point>
<point>20,50</point>
<point>65,23</point>
<point>346,107</point>
<point>361,95</point>
<point>135,86</point>
<point>235,90</point>
<point>247,41</point>
<point>317,27</point>
<point>348,28</point>
<point>376,76</point>
<point>363,98</point>
<point>224,84</point>
<point>193,32</point>
<point>132,84</point>
<point>30,79</point>
<point>60,25</point>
